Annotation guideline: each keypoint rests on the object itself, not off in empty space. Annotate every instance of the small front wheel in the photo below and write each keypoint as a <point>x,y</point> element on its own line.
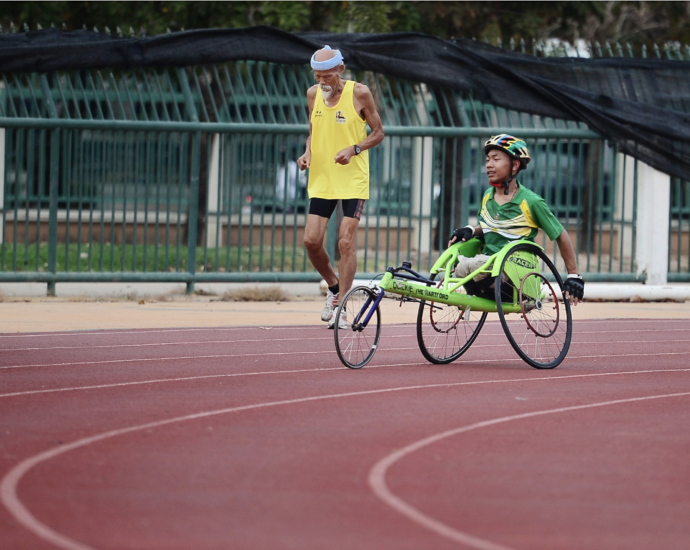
<point>537,324</point>
<point>358,328</point>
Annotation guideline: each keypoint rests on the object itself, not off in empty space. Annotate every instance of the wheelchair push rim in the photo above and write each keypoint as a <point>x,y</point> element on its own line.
<point>541,332</point>
<point>445,332</point>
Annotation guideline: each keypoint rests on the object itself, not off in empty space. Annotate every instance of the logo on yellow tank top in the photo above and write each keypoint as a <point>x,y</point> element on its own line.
<point>340,117</point>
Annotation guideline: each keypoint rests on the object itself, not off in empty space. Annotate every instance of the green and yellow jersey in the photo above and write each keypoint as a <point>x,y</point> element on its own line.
<point>521,218</point>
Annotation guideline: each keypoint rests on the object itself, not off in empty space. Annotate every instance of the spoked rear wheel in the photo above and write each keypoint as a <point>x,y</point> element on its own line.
<point>445,332</point>
<point>356,343</point>
<point>541,330</point>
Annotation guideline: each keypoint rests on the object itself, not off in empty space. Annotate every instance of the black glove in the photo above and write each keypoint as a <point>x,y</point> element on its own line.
<point>575,286</point>
<point>463,233</point>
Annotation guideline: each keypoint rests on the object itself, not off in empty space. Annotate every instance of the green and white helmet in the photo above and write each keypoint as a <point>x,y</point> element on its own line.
<point>515,147</point>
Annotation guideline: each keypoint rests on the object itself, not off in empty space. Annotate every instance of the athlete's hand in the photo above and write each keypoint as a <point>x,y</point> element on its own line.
<point>574,289</point>
<point>344,156</point>
<point>461,234</point>
<point>304,161</point>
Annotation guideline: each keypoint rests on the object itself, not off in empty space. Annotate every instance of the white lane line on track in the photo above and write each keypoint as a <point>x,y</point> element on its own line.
<point>247,341</point>
<point>377,475</point>
<point>328,369</point>
<point>145,331</point>
<point>115,332</point>
<point>9,483</point>
<point>177,358</point>
<point>286,353</point>
<point>630,331</point>
<point>161,344</point>
<point>280,328</point>
<point>330,338</point>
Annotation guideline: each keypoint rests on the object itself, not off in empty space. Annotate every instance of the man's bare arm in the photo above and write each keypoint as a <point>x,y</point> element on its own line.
<point>565,247</point>
<point>305,160</point>
<point>364,100</point>
<point>365,106</point>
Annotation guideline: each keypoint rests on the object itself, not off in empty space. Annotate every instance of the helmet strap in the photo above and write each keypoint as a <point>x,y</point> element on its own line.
<point>506,185</point>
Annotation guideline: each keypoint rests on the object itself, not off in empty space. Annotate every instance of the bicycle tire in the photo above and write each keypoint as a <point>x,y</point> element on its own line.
<point>355,344</point>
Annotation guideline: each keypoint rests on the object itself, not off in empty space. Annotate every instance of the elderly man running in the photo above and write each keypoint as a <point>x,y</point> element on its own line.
<point>338,161</point>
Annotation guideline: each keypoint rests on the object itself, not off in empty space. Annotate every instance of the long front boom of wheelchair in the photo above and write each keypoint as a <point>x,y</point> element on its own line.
<point>421,288</point>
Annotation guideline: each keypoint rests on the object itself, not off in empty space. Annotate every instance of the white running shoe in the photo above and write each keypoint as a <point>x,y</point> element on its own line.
<point>327,311</point>
<point>342,323</point>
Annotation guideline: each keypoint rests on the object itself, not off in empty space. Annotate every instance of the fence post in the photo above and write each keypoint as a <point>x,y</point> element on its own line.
<point>422,175</point>
<point>624,212</point>
<point>465,189</point>
<point>422,191</point>
<point>213,196</point>
<point>653,202</point>
<point>53,184</point>
<point>193,181</point>
<point>53,189</point>
<point>2,185</point>
<point>193,209</point>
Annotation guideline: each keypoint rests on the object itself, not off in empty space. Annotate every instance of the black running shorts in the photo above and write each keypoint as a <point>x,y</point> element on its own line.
<point>352,208</point>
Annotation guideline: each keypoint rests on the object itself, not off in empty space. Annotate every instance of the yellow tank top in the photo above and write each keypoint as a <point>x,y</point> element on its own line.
<point>334,129</point>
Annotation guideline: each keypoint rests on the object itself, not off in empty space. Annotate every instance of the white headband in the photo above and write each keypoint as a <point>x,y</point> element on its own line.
<point>329,64</point>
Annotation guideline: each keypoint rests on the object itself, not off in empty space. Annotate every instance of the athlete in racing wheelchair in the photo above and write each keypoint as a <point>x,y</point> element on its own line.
<point>508,212</point>
<point>494,267</point>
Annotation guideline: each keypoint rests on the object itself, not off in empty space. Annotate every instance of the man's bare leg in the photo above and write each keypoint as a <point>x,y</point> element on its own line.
<point>348,253</point>
<point>314,232</point>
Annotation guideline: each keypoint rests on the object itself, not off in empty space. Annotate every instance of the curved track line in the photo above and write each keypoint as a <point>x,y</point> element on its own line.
<point>377,475</point>
<point>327,369</point>
<point>162,380</point>
<point>9,483</point>
<point>8,486</point>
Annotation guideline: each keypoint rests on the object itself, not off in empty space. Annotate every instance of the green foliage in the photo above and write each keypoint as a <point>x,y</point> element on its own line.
<point>289,16</point>
<point>642,22</point>
<point>589,20</point>
<point>503,20</point>
<point>369,17</point>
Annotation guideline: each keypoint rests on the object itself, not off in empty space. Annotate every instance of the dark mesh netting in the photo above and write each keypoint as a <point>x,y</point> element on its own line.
<point>641,105</point>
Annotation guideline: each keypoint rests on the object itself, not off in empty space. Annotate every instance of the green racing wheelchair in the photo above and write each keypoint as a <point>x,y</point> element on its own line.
<point>519,284</point>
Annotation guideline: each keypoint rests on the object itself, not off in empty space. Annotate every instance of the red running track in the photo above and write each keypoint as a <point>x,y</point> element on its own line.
<point>250,438</point>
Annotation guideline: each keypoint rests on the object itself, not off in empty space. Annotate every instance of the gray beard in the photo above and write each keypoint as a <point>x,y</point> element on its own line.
<point>326,94</point>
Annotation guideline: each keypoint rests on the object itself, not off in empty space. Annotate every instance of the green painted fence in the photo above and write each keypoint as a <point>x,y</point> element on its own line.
<point>188,175</point>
